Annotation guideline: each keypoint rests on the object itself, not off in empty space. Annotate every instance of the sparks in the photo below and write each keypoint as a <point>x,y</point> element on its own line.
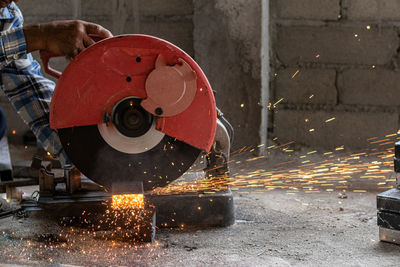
<point>329,120</point>
<point>294,75</point>
<point>276,103</point>
<point>129,201</point>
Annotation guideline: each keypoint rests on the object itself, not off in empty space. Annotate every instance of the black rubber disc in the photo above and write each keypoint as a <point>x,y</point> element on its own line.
<point>101,163</point>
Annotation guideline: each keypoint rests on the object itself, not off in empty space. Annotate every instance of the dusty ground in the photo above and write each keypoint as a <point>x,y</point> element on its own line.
<point>273,228</point>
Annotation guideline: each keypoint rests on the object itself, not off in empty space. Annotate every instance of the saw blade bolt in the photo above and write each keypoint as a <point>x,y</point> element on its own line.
<point>159,111</point>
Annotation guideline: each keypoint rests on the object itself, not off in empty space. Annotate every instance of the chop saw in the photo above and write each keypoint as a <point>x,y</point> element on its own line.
<point>133,113</point>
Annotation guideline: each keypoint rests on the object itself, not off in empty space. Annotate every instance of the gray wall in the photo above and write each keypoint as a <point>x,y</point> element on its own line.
<point>171,19</point>
<point>223,36</point>
<point>227,46</point>
<point>351,70</point>
<point>347,55</point>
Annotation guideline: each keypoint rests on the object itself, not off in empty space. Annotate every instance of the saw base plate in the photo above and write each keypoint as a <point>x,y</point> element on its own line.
<point>185,210</point>
<point>216,210</point>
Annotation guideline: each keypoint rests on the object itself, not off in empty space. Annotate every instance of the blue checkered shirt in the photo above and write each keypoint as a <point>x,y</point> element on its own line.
<point>20,79</point>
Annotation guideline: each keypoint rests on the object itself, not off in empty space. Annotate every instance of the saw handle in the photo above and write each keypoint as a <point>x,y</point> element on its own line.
<point>45,56</point>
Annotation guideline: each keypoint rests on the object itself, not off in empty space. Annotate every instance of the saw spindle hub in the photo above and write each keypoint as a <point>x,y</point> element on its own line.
<point>131,119</point>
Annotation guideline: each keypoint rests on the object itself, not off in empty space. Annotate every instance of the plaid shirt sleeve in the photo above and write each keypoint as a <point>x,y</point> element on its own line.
<point>21,80</point>
<point>12,46</point>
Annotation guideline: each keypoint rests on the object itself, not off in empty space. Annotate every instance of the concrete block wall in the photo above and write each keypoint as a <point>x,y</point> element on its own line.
<point>227,45</point>
<point>171,20</point>
<point>334,59</point>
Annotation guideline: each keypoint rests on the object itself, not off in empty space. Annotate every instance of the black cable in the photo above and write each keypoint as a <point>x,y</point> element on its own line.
<point>229,128</point>
<point>9,213</point>
<point>227,125</point>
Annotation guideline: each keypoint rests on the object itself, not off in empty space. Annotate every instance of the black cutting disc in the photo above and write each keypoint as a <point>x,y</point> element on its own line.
<point>98,161</point>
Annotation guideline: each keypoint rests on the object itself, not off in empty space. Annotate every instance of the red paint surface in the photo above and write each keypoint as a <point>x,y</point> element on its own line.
<point>97,79</point>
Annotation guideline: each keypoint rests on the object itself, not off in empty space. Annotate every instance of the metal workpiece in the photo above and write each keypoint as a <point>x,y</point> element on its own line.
<point>396,161</point>
<point>397,177</point>
<point>389,200</point>
<point>389,235</point>
<point>397,149</point>
<point>389,220</point>
<point>388,205</point>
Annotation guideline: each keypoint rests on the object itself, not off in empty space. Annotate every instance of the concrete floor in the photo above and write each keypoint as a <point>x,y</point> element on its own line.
<point>273,228</point>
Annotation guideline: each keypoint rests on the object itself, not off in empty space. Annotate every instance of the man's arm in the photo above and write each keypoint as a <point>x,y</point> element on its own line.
<point>66,38</point>
<point>28,91</point>
<point>12,46</point>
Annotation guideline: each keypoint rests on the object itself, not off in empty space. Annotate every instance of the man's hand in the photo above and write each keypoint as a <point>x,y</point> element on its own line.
<point>4,3</point>
<point>65,38</point>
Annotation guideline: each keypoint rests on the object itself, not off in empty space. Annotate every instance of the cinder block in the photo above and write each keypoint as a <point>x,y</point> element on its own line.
<point>306,9</point>
<point>227,47</point>
<point>372,9</point>
<point>378,87</point>
<point>102,7</point>
<point>42,8</point>
<point>179,33</point>
<point>314,86</point>
<point>351,129</point>
<point>336,44</point>
<point>144,7</point>
<point>166,8</point>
